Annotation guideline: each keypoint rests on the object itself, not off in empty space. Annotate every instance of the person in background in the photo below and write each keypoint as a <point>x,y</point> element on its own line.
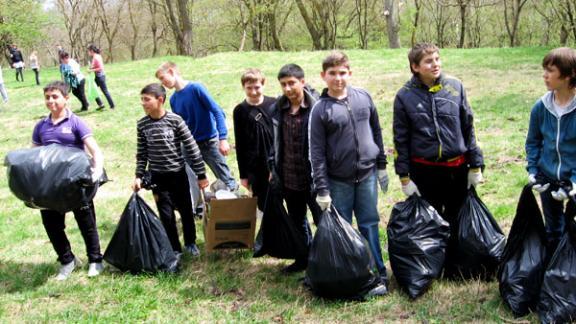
<point>35,66</point>
<point>3,92</point>
<point>75,79</point>
<point>17,62</point>
<point>253,135</point>
<point>161,135</point>
<point>97,66</point>
<point>63,127</point>
<point>551,141</point>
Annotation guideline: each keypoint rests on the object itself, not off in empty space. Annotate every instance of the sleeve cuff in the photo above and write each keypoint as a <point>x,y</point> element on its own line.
<point>201,176</point>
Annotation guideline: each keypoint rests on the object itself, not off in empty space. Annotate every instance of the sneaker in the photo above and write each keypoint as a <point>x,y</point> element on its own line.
<point>192,249</point>
<point>378,291</point>
<point>100,108</point>
<point>95,269</point>
<point>297,266</point>
<point>66,270</point>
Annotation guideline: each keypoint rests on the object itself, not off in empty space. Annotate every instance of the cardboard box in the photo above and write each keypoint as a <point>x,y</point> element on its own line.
<point>230,224</point>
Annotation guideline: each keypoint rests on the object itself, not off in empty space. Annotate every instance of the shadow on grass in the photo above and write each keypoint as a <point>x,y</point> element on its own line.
<point>19,277</point>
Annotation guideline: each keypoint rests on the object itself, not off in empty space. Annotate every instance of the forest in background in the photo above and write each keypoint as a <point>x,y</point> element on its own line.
<point>136,29</point>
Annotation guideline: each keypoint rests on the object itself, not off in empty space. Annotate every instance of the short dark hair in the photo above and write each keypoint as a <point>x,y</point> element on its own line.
<point>291,70</point>
<point>418,51</point>
<point>336,58</point>
<point>154,89</point>
<point>563,58</point>
<point>59,86</point>
<point>64,55</point>
<point>94,48</point>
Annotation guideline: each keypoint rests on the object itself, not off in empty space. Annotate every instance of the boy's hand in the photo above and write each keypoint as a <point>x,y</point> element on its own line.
<point>323,201</point>
<point>137,185</point>
<point>245,183</point>
<point>474,177</point>
<point>409,188</point>
<point>224,147</point>
<point>383,180</point>
<point>203,183</point>
<point>538,187</point>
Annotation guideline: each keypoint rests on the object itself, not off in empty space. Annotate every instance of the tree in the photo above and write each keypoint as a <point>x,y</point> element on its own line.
<point>322,21</point>
<point>153,10</point>
<point>21,22</point>
<point>512,11</point>
<point>392,22</point>
<point>417,5</point>
<point>180,24</point>
<point>361,8</point>
<point>76,14</point>
<point>110,22</point>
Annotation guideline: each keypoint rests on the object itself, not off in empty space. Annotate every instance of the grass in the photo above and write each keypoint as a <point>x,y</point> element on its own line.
<point>230,286</point>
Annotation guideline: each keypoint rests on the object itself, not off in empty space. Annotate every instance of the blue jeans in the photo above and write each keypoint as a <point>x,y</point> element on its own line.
<point>362,198</point>
<point>554,216</point>
<point>217,162</point>
<point>101,82</point>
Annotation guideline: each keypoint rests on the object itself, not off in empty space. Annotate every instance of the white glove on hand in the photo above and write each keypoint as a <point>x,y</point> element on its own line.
<point>383,180</point>
<point>573,191</point>
<point>410,188</point>
<point>474,177</point>
<point>96,174</point>
<point>323,201</point>
<point>540,188</point>
<point>559,195</point>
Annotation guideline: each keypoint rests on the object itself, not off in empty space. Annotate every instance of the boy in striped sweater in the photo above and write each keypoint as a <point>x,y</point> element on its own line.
<point>160,135</point>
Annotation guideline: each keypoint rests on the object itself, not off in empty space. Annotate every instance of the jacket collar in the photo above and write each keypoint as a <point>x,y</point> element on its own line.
<point>309,100</point>
<point>415,82</point>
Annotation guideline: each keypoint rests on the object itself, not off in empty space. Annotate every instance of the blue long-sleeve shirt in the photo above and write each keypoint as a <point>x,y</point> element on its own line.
<point>203,116</point>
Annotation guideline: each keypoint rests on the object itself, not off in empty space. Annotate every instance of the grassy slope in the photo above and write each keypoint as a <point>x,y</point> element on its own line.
<point>502,85</point>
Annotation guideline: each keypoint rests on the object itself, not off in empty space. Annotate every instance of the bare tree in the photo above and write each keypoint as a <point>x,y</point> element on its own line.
<point>76,17</point>
<point>110,19</point>
<point>153,10</point>
<point>391,13</point>
<point>417,5</point>
<point>361,8</point>
<point>322,21</point>
<point>132,16</point>
<point>180,24</point>
<point>512,11</point>
<point>311,25</point>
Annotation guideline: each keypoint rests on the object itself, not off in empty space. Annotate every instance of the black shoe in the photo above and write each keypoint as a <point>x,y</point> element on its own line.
<point>100,107</point>
<point>378,291</point>
<point>193,250</point>
<point>297,266</point>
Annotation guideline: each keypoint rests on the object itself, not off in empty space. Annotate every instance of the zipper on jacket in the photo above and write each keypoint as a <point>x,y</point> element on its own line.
<point>355,139</point>
<point>435,118</point>
<point>558,148</point>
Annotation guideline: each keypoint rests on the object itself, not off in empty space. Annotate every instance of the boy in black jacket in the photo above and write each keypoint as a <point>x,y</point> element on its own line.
<point>253,134</point>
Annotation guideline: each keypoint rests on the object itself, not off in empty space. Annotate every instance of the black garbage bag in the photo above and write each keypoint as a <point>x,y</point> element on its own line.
<point>558,294</point>
<point>140,243</point>
<point>524,258</point>
<point>340,264</point>
<point>52,177</point>
<point>195,194</point>
<point>279,236</point>
<point>479,243</point>
<point>417,240</point>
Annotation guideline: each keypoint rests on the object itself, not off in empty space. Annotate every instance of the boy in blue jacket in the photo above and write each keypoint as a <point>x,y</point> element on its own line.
<point>551,140</point>
<point>204,118</point>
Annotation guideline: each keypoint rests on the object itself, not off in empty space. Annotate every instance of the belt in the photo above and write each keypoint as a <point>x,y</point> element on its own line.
<point>453,162</point>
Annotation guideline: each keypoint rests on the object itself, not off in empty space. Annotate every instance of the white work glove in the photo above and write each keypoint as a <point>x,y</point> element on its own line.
<point>96,174</point>
<point>559,194</point>
<point>540,188</point>
<point>410,188</point>
<point>474,177</point>
<point>383,180</point>
<point>573,191</point>
<point>323,201</point>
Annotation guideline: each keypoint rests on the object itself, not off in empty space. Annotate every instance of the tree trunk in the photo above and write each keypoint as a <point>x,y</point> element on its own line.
<point>417,4</point>
<point>462,4</point>
<point>392,22</point>
<point>312,29</point>
<point>181,26</point>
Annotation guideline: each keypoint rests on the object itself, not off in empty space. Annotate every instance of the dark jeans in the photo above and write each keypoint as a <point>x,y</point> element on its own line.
<point>19,73</point>
<point>37,75</point>
<point>296,203</point>
<point>101,82</point>
<point>86,218</point>
<point>80,93</point>
<point>259,183</point>
<point>445,188</point>
<point>172,192</point>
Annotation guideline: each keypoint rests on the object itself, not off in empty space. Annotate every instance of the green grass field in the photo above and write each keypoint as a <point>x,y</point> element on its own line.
<point>230,286</point>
